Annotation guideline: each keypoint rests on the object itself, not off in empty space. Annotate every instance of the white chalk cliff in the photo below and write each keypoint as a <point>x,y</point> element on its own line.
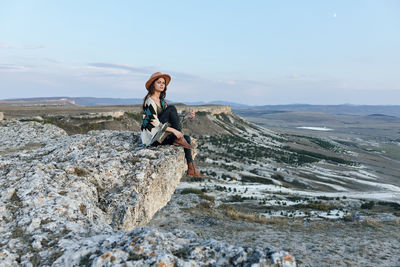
<point>75,200</point>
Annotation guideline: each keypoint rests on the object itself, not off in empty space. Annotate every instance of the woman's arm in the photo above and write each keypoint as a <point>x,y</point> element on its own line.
<point>177,133</point>
<point>190,115</point>
<point>150,116</point>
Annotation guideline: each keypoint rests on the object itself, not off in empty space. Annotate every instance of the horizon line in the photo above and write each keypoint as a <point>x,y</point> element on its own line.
<point>205,102</point>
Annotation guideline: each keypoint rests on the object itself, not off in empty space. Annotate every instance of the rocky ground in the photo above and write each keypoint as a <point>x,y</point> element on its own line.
<point>328,200</point>
<point>354,241</point>
<point>74,200</point>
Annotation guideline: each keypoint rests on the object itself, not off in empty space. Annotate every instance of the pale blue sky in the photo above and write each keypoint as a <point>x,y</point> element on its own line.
<point>252,52</point>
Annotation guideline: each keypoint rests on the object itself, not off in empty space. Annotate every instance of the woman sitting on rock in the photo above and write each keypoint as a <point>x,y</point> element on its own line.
<point>161,123</point>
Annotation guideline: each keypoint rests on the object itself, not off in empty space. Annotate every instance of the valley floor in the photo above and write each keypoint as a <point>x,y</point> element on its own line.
<point>330,198</point>
<point>359,242</point>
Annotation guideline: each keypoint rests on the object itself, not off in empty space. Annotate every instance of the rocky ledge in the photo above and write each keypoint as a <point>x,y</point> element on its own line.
<point>74,200</point>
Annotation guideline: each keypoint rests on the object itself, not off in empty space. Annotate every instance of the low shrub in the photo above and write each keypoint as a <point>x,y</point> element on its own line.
<point>135,116</point>
<point>236,198</point>
<point>191,191</point>
<point>317,206</point>
<point>207,197</point>
<point>368,205</point>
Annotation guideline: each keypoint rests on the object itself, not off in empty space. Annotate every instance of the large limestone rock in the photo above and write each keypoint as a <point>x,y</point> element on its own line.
<point>148,247</point>
<point>69,200</point>
<point>54,184</point>
<point>102,176</point>
<point>17,136</point>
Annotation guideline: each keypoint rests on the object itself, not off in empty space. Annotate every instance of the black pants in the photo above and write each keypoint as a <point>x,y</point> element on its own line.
<point>170,114</point>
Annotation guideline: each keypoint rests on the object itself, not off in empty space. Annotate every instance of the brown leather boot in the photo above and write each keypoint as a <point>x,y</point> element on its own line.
<point>192,172</point>
<point>182,142</point>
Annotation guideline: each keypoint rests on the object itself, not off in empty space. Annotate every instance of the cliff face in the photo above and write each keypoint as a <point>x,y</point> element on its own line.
<point>76,119</point>
<point>212,109</point>
<point>69,200</point>
<point>102,176</point>
<point>54,184</point>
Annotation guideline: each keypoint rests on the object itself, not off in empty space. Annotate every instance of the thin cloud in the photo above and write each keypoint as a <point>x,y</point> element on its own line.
<point>295,76</point>
<point>244,83</point>
<point>6,46</point>
<point>184,76</point>
<point>53,60</point>
<point>120,66</point>
<point>33,46</point>
<point>231,82</point>
<point>146,71</point>
<point>12,67</point>
<point>23,80</point>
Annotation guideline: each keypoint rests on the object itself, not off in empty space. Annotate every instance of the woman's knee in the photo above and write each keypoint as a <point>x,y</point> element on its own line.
<point>172,108</point>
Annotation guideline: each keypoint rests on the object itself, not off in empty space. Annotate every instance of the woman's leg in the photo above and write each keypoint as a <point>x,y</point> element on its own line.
<point>191,171</point>
<point>170,114</point>
<point>188,152</point>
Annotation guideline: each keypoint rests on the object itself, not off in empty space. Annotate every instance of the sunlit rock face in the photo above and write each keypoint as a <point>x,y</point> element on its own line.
<point>54,184</point>
<point>75,201</point>
<point>18,136</point>
<point>145,246</point>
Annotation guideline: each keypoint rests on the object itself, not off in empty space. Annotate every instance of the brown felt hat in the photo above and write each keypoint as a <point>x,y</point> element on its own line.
<point>157,75</point>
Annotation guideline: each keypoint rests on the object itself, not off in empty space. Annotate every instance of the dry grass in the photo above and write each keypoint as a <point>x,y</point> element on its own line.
<point>83,209</point>
<point>191,191</point>
<point>233,213</point>
<point>79,171</point>
<point>207,197</point>
<point>316,206</point>
<point>29,146</point>
<point>205,205</point>
<point>370,222</point>
<point>198,192</point>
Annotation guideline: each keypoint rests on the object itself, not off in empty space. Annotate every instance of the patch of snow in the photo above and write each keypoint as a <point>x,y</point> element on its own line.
<point>208,160</point>
<point>336,187</point>
<point>330,179</point>
<point>315,128</point>
<point>363,174</point>
<point>376,184</point>
<point>332,214</point>
<point>283,213</point>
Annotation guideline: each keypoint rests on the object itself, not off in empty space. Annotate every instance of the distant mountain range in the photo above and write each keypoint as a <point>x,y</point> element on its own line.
<point>364,110</point>
<point>388,110</point>
<point>225,103</point>
<point>95,101</point>
<point>81,101</point>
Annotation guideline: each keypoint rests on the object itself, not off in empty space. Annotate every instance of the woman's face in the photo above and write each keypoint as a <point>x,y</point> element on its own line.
<point>159,84</point>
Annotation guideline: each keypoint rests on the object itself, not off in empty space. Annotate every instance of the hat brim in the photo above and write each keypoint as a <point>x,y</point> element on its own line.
<point>152,79</point>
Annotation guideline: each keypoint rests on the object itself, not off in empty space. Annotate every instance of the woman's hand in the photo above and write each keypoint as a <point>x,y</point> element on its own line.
<point>191,115</point>
<point>178,134</point>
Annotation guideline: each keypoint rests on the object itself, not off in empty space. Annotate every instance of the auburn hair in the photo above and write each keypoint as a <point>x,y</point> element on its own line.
<point>151,91</point>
